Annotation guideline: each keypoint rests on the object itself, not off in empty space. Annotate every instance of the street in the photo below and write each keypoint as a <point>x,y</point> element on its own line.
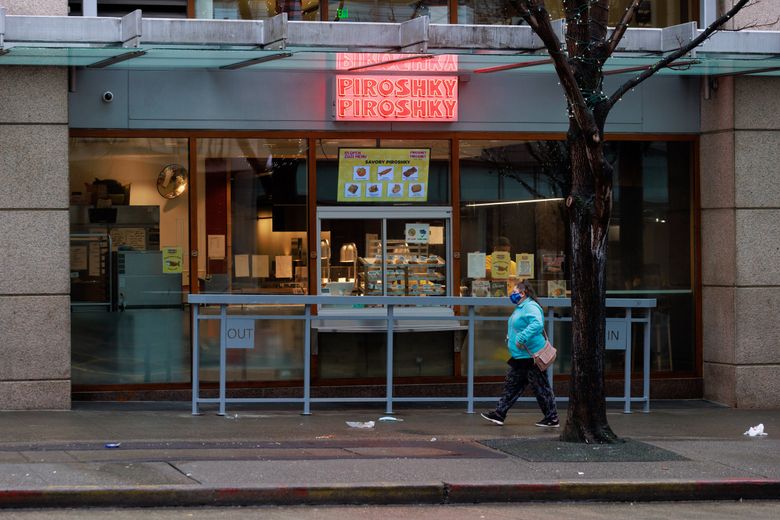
<point>755,510</point>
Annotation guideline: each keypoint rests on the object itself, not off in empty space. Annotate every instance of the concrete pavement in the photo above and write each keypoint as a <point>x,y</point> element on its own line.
<point>679,451</point>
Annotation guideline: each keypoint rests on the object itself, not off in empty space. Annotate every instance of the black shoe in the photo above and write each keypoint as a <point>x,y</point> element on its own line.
<point>493,417</point>
<point>548,423</point>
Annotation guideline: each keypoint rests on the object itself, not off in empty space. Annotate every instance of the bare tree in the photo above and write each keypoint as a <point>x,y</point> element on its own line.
<point>579,65</point>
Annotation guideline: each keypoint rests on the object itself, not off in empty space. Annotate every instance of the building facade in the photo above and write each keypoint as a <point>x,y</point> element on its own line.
<point>87,304</point>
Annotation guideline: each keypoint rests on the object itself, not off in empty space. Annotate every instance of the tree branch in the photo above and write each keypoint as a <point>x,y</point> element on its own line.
<point>628,85</point>
<point>535,14</point>
<point>620,29</point>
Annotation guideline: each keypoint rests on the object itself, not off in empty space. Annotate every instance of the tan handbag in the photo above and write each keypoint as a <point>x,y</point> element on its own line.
<point>546,356</point>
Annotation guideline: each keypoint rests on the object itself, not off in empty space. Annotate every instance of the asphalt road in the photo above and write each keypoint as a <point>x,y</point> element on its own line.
<point>753,510</point>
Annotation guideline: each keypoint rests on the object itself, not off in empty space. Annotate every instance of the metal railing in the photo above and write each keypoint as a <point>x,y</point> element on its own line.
<point>635,310</point>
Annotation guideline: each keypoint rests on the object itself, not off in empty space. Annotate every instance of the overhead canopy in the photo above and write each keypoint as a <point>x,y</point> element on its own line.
<point>133,42</point>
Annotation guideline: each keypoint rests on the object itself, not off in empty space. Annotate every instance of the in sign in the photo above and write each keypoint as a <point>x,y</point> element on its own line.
<point>240,333</point>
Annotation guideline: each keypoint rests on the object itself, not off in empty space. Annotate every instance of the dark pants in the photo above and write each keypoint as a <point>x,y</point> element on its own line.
<point>522,372</point>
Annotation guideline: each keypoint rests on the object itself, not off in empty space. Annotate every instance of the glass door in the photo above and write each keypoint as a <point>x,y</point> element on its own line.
<point>393,251</point>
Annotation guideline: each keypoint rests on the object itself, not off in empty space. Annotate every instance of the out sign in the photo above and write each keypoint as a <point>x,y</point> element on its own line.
<point>240,333</point>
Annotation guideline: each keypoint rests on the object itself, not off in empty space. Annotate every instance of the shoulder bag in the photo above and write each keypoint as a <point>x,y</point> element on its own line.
<point>546,356</point>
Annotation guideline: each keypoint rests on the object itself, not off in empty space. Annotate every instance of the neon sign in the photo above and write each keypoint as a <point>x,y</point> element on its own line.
<point>396,62</point>
<point>396,98</point>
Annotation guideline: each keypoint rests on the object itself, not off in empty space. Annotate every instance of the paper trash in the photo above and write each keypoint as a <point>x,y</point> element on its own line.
<point>357,424</point>
<point>755,431</point>
<point>388,418</point>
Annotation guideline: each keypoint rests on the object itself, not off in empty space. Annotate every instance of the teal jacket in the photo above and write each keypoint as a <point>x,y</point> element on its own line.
<point>526,326</point>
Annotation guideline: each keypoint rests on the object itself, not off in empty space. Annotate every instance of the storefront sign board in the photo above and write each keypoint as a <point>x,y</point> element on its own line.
<point>396,62</point>
<point>383,174</point>
<point>396,98</point>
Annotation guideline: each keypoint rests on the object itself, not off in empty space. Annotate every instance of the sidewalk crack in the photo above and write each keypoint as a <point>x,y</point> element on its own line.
<point>183,473</point>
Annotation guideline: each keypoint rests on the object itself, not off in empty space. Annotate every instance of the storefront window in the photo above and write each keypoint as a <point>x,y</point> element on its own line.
<point>651,13</point>
<point>253,218</point>
<point>393,11</point>
<point>252,222</point>
<point>308,10</point>
<point>511,202</point>
<point>129,269</point>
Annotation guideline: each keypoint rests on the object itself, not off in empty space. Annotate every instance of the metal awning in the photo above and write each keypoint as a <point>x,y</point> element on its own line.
<point>134,42</point>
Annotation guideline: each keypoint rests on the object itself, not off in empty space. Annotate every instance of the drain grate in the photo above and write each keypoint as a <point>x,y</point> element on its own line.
<point>553,450</point>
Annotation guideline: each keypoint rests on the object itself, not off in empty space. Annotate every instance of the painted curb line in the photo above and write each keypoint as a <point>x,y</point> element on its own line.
<point>376,494</point>
<point>616,491</point>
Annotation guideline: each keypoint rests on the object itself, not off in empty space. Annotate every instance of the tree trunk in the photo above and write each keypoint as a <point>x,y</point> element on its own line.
<point>589,208</point>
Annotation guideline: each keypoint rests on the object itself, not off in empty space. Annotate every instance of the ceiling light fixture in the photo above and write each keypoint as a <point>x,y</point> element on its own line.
<point>478,204</point>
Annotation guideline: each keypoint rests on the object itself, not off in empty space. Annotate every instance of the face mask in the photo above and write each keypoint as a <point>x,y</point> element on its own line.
<point>515,297</point>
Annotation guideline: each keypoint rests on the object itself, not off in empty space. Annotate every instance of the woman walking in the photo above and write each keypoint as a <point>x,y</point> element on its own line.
<point>525,332</point>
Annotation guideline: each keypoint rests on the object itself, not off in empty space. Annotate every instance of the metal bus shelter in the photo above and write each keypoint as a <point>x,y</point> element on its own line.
<point>237,329</point>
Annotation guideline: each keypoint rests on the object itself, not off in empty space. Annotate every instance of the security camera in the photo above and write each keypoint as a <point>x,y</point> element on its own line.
<point>107,96</point>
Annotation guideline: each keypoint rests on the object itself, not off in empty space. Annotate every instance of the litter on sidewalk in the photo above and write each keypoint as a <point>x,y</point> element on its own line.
<point>364,425</point>
<point>756,431</point>
<point>388,418</point>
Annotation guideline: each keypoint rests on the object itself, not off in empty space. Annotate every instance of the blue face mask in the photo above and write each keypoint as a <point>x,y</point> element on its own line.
<point>515,297</point>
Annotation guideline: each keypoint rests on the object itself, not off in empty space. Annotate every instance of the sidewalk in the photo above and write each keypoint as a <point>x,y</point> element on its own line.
<point>167,457</point>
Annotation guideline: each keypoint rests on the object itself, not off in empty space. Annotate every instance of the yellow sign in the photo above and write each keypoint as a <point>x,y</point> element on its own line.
<point>383,174</point>
<point>172,260</point>
<point>500,263</point>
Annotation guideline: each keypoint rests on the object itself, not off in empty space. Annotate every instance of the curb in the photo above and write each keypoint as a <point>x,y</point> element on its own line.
<point>617,491</point>
<point>387,494</point>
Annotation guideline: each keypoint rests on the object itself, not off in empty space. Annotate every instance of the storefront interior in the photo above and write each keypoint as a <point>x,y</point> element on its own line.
<point>156,217</point>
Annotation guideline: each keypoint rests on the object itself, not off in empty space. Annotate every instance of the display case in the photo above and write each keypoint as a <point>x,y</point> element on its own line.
<point>410,271</point>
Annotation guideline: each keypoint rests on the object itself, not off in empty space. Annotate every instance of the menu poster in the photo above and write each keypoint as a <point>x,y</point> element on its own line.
<point>134,238</point>
<point>95,267</point>
<point>552,264</point>
<point>498,289</point>
<point>480,288</point>
<point>172,260</point>
<point>417,233</point>
<point>241,266</point>
<point>556,288</point>
<point>476,265</point>
<point>437,235</point>
<point>500,263</point>
<point>383,174</point>
<point>284,266</point>
<point>260,266</point>
<point>78,258</point>
<point>525,265</point>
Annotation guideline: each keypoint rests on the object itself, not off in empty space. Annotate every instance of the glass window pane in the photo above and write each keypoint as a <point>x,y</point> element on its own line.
<point>394,11</point>
<point>511,201</point>
<point>253,220</point>
<point>308,10</point>
<point>129,262</point>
